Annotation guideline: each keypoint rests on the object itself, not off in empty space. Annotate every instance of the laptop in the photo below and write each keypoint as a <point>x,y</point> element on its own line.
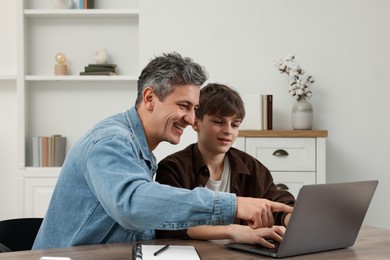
<point>325,217</point>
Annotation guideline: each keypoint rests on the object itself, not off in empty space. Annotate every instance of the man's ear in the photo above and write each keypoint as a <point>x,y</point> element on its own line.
<point>148,98</point>
<point>195,126</point>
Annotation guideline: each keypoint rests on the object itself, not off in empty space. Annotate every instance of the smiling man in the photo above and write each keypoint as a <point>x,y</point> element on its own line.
<point>106,193</point>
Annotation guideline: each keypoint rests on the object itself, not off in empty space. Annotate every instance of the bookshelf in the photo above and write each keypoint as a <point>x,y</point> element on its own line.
<point>69,105</point>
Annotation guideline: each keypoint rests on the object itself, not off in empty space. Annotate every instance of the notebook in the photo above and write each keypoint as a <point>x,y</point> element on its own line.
<point>325,217</point>
<point>172,252</point>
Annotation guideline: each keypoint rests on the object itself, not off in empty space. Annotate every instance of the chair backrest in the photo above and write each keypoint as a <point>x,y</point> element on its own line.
<point>18,234</point>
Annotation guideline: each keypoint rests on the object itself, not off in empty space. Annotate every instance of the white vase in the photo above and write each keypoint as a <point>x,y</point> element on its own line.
<point>62,4</point>
<point>302,115</point>
<point>101,56</point>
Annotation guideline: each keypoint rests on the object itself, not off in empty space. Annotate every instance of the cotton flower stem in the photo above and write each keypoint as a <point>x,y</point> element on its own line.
<point>299,88</point>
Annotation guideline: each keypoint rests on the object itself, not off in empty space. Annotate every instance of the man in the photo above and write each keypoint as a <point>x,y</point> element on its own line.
<point>213,163</point>
<point>106,193</point>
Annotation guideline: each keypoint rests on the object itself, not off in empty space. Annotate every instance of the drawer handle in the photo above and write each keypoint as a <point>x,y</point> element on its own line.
<point>280,152</point>
<point>281,186</point>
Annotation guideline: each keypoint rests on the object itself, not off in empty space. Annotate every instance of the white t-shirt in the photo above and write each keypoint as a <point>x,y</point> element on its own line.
<point>223,184</point>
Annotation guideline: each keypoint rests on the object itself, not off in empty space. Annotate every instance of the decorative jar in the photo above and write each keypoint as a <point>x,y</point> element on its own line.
<point>62,4</point>
<point>302,115</point>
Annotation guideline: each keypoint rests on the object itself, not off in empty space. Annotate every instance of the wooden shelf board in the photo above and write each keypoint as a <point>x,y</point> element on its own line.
<point>283,133</point>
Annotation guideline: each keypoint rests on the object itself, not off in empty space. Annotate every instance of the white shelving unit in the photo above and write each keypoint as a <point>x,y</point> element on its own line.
<point>73,13</point>
<point>7,77</point>
<point>70,104</point>
<point>80,78</point>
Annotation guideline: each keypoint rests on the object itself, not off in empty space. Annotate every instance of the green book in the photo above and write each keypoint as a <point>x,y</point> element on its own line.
<point>109,65</point>
<point>90,4</point>
<point>98,73</point>
<point>98,69</point>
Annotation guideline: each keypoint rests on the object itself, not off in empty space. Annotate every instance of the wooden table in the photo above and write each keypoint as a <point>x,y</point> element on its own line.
<point>372,243</point>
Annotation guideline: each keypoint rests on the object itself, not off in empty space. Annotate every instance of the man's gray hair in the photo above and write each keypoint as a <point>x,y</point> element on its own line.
<point>166,72</point>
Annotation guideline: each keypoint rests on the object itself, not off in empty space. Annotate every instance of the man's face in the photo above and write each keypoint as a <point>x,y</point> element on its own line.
<point>217,134</point>
<point>175,113</point>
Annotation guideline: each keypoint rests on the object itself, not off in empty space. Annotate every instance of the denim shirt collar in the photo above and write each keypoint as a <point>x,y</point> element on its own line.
<point>137,128</point>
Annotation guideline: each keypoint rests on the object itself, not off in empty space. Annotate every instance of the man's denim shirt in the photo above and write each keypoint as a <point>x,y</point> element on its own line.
<point>106,193</point>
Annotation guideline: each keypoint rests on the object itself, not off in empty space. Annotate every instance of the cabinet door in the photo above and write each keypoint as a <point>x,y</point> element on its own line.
<point>284,154</point>
<point>37,195</point>
<point>294,180</point>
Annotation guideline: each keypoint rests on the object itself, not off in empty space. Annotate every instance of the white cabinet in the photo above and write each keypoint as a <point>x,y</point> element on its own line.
<point>37,194</point>
<point>295,158</point>
<point>69,104</point>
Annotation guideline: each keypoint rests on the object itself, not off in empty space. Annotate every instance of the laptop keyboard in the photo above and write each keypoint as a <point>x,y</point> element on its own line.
<point>271,250</point>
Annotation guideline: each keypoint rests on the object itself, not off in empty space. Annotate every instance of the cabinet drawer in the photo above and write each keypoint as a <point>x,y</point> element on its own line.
<point>301,153</point>
<point>294,180</point>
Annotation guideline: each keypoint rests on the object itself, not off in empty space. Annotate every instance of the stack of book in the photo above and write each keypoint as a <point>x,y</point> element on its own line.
<point>100,69</point>
<point>258,112</point>
<point>49,151</point>
<point>87,4</point>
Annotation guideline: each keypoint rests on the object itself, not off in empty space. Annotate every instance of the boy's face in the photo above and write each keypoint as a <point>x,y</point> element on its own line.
<point>175,113</point>
<point>217,133</point>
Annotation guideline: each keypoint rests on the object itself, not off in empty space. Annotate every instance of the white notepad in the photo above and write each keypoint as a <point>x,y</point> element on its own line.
<point>172,253</point>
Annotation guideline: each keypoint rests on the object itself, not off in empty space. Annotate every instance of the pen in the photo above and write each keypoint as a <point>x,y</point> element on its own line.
<point>161,250</point>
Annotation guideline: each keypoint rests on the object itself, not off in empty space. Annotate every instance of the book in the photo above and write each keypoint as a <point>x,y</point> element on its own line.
<point>267,116</point>
<point>40,151</point>
<point>264,120</point>
<point>253,112</point>
<point>90,4</point>
<point>45,151</point>
<point>110,65</point>
<point>50,151</point>
<point>59,150</point>
<point>81,2</point>
<point>36,151</point>
<point>98,69</point>
<point>269,111</point>
<point>95,73</point>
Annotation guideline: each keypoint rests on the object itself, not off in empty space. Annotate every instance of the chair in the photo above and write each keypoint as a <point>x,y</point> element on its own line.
<point>18,234</point>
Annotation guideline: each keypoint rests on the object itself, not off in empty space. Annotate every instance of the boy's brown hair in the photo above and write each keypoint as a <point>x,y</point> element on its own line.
<point>221,100</point>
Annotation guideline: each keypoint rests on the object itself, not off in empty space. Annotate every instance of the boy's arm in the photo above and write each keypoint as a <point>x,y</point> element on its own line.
<point>238,233</point>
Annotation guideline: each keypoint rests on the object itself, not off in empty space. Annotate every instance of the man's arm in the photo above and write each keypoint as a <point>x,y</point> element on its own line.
<point>258,212</point>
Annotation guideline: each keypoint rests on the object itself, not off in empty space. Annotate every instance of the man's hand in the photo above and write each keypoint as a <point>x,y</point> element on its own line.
<point>287,219</point>
<point>258,212</point>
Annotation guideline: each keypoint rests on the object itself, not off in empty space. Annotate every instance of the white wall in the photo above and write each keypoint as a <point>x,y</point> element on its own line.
<point>8,173</point>
<point>8,37</point>
<point>344,44</point>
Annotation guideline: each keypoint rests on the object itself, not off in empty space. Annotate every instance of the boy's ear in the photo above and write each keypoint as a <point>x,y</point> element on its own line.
<point>195,126</point>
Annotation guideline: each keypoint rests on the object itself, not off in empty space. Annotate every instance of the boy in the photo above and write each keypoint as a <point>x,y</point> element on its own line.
<point>214,164</point>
